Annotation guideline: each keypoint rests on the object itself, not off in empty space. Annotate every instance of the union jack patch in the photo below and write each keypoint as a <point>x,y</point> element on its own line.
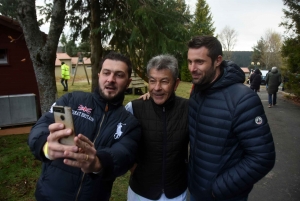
<point>85,109</point>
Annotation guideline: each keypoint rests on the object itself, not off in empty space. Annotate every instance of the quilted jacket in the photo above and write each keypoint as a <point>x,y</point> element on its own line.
<point>231,145</point>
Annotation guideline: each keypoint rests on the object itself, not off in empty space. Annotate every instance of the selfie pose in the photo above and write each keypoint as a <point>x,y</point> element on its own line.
<point>105,142</point>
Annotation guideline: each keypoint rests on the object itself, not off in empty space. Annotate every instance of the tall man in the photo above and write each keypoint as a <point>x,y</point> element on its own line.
<point>87,171</point>
<point>231,146</point>
<point>161,169</point>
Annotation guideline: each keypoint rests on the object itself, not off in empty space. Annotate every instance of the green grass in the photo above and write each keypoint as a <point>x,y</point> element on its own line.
<point>19,170</point>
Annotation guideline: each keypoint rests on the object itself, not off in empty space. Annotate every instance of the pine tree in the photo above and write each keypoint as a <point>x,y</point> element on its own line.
<point>291,45</point>
<point>202,23</point>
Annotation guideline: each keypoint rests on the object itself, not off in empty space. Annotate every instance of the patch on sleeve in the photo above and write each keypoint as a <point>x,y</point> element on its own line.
<point>258,120</point>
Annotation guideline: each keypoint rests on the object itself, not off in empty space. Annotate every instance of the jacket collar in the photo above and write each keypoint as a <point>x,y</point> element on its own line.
<point>167,105</point>
<point>114,103</point>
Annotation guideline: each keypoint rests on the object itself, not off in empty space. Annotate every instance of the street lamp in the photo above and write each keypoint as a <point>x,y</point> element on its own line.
<point>257,64</point>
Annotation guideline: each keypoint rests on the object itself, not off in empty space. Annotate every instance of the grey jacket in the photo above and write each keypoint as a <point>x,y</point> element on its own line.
<point>273,80</point>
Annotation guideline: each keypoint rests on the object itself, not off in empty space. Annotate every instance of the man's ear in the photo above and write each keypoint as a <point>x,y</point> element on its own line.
<point>128,83</point>
<point>176,83</point>
<point>219,60</point>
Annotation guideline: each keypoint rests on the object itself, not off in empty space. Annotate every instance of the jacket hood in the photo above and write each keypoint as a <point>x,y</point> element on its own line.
<point>274,70</point>
<point>232,74</point>
<point>257,71</point>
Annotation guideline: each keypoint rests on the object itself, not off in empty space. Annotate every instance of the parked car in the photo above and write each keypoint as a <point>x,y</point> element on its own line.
<point>263,76</point>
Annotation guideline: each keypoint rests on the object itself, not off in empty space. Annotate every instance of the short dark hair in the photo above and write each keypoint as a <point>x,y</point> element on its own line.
<point>62,63</point>
<point>117,57</point>
<point>211,43</point>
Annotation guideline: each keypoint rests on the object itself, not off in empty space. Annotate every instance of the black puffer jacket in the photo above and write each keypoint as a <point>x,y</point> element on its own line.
<point>64,183</point>
<point>162,161</point>
<point>231,145</point>
<point>255,79</point>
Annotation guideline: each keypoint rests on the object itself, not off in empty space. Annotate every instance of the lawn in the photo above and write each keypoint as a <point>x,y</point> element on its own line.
<point>19,171</point>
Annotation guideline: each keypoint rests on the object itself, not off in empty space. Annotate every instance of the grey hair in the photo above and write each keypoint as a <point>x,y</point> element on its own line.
<point>274,68</point>
<point>164,61</point>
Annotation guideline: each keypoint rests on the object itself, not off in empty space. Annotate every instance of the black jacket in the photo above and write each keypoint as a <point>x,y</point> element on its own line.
<point>162,161</point>
<point>255,79</point>
<point>65,183</point>
<point>231,145</point>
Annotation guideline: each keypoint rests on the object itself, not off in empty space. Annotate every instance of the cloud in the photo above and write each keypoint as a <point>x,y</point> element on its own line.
<point>250,18</point>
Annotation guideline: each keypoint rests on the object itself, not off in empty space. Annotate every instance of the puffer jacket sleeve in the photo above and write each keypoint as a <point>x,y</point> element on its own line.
<point>251,127</point>
<point>39,132</point>
<point>120,157</point>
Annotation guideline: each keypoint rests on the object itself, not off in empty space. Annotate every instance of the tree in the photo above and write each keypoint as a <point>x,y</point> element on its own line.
<point>291,44</point>
<point>42,48</point>
<point>71,48</point>
<point>150,28</point>
<point>228,38</point>
<point>272,49</point>
<point>202,23</point>
<point>258,51</point>
<point>8,8</point>
<point>140,29</point>
<point>63,40</point>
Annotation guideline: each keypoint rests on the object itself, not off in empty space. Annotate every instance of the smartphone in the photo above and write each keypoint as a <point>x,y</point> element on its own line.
<point>63,114</point>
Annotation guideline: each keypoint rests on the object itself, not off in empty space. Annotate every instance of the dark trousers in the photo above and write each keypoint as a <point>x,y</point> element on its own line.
<point>272,98</point>
<point>64,83</point>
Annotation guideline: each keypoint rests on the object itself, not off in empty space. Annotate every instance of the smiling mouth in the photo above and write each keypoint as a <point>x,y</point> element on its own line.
<point>158,95</point>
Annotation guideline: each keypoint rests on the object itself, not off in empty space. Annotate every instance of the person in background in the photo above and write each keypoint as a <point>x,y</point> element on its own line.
<point>231,145</point>
<point>255,80</point>
<point>65,75</point>
<point>266,78</point>
<point>160,172</point>
<point>106,140</point>
<point>273,81</point>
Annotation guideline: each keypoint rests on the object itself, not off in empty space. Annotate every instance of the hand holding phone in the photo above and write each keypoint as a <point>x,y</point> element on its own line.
<point>63,114</point>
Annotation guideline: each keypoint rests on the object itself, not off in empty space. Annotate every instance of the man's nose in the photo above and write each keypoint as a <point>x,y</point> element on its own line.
<point>111,78</point>
<point>157,86</point>
<point>192,67</point>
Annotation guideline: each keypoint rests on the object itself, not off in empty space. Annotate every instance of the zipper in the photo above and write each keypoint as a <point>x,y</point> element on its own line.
<point>164,149</point>
<point>106,109</point>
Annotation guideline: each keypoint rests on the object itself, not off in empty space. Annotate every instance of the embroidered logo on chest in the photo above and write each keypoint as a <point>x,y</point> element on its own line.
<point>85,109</point>
<point>119,132</point>
<point>258,120</point>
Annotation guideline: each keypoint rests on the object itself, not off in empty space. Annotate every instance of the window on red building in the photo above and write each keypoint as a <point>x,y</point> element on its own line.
<point>3,56</point>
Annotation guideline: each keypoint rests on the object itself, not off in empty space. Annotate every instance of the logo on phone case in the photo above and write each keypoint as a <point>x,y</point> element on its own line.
<point>85,109</point>
<point>119,132</point>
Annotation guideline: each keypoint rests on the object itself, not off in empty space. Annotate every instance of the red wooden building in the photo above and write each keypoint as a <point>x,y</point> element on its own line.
<point>16,70</point>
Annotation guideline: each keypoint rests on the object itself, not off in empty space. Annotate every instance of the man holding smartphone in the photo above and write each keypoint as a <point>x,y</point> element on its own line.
<point>105,142</point>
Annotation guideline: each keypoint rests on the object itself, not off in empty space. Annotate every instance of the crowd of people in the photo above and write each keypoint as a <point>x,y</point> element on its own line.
<point>215,145</point>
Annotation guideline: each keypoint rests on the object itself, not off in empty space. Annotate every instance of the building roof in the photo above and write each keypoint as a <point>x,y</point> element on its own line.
<point>11,23</point>
<point>62,56</point>
<point>65,56</point>
<point>245,69</point>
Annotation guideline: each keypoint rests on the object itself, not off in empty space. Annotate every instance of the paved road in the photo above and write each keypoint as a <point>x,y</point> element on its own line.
<point>283,182</point>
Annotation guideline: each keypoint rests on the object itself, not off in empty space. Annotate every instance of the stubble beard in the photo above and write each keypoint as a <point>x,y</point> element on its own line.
<point>111,98</point>
<point>207,78</point>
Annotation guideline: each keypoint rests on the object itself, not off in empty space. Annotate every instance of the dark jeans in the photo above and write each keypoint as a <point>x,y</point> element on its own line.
<point>241,199</point>
<point>64,83</point>
<point>274,97</point>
